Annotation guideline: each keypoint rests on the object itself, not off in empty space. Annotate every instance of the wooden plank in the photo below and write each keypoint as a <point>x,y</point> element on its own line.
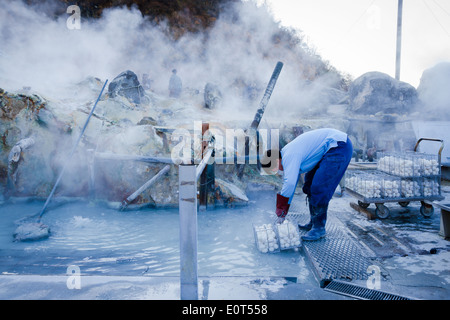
<point>365,212</point>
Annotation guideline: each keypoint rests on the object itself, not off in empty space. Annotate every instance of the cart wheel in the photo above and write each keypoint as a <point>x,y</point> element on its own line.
<point>404,204</point>
<point>382,211</point>
<point>363,204</point>
<point>426,210</point>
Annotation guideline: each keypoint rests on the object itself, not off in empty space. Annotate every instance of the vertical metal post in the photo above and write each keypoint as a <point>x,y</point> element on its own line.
<point>203,178</point>
<point>210,186</point>
<point>207,178</point>
<point>188,232</point>
<point>399,40</point>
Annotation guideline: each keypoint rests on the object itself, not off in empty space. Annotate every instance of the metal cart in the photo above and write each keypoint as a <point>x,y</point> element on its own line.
<point>381,210</point>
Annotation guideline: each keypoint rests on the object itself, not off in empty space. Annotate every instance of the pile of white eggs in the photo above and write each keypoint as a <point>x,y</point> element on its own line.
<point>391,188</point>
<point>374,186</point>
<point>430,187</point>
<point>398,175</point>
<point>366,186</point>
<point>266,238</point>
<point>408,165</point>
<point>369,188</point>
<point>276,237</point>
<point>429,167</point>
<point>350,182</point>
<point>288,235</point>
<point>384,163</point>
<point>399,166</point>
<point>410,188</point>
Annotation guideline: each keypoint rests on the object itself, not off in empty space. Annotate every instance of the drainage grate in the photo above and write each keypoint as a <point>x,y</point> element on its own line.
<point>358,292</point>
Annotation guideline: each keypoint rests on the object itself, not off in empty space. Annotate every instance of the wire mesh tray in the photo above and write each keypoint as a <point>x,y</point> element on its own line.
<point>288,235</point>
<point>266,238</point>
<point>375,186</point>
<point>409,164</point>
<point>272,237</point>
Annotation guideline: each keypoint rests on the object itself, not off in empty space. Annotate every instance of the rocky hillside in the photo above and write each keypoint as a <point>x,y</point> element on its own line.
<point>182,15</point>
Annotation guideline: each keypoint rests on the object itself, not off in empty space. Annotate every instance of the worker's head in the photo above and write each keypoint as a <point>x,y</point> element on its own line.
<point>271,161</point>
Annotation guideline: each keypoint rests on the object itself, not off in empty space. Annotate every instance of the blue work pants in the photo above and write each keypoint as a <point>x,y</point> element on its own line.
<point>321,182</point>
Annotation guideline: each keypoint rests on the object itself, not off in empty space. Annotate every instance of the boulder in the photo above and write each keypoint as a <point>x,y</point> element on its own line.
<point>433,91</point>
<point>228,194</point>
<point>127,85</point>
<point>212,96</point>
<point>376,92</point>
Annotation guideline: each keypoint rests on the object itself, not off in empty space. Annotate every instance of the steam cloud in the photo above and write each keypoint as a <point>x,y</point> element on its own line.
<point>41,52</point>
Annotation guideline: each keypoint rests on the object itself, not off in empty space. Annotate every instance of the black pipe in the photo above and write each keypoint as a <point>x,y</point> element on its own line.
<point>262,105</point>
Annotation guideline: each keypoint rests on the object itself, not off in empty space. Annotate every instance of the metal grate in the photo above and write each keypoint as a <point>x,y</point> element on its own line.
<point>337,257</point>
<point>358,292</point>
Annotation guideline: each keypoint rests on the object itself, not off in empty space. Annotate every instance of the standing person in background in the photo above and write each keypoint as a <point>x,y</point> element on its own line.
<point>324,155</point>
<point>146,82</point>
<point>175,85</point>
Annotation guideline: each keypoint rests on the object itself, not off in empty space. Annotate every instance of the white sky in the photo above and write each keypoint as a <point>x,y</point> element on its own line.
<point>358,36</point>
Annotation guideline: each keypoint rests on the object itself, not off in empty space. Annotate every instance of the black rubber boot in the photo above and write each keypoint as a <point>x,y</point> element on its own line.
<point>318,220</point>
<point>305,227</point>
<point>309,225</point>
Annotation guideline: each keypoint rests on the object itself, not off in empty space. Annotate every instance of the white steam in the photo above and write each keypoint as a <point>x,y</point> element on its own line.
<point>433,91</point>
<point>43,53</point>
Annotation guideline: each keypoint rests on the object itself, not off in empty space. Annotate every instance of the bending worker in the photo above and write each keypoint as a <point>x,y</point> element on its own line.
<point>324,155</point>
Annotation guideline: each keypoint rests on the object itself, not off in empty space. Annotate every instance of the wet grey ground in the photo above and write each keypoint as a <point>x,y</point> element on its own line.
<point>413,258</point>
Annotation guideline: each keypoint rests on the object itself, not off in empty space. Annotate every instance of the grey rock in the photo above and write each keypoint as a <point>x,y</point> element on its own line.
<point>376,92</point>
<point>212,96</point>
<point>127,85</point>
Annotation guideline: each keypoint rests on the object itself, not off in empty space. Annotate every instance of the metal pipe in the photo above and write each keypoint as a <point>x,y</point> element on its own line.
<point>144,187</point>
<point>236,159</point>
<point>126,157</point>
<point>71,153</point>
<point>265,100</point>
<point>203,164</point>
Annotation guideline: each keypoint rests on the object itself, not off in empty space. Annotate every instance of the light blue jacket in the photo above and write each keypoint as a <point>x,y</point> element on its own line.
<point>303,153</point>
